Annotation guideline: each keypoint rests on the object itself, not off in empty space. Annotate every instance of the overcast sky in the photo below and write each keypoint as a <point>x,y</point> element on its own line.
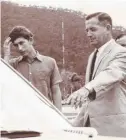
<point>115,8</point>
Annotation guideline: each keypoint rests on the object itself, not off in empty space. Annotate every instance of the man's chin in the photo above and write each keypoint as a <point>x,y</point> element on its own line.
<point>93,43</point>
<point>24,54</point>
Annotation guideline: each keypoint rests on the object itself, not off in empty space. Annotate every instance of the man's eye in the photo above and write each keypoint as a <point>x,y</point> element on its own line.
<point>16,45</point>
<point>21,43</point>
<point>93,29</point>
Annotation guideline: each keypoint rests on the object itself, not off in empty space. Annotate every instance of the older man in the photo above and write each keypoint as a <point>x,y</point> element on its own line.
<point>105,84</point>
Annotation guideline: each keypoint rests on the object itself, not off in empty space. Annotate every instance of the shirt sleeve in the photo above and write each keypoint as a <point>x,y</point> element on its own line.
<point>55,76</point>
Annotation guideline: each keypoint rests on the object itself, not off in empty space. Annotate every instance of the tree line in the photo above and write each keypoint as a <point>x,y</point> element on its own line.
<point>46,25</point>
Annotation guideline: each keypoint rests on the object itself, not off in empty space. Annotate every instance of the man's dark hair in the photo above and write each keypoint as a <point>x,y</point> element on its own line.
<point>120,36</point>
<point>102,17</point>
<point>20,31</point>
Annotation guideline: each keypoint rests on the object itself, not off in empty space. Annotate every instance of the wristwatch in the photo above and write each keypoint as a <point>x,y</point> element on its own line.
<point>92,95</point>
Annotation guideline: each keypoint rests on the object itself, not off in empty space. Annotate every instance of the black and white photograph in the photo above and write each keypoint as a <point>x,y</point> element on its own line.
<point>63,69</point>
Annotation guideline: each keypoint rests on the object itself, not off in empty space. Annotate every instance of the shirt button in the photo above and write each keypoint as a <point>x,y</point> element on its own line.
<point>30,73</point>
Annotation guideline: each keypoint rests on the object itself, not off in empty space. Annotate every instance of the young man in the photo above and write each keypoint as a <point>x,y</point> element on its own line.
<point>40,70</point>
<point>121,39</point>
<point>105,84</point>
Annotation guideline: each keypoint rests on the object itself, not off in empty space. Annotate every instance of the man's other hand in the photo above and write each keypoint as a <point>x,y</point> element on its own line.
<point>78,97</point>
<point>7,43</point>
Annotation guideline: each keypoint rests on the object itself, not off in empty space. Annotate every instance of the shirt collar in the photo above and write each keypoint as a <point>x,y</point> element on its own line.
<point>38,57</point>
<point>101,49</point>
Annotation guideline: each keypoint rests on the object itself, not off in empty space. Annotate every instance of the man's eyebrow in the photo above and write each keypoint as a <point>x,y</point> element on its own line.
<point>15,44</point>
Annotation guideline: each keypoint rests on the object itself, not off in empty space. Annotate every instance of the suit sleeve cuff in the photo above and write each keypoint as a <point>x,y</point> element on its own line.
<point>89,88</point>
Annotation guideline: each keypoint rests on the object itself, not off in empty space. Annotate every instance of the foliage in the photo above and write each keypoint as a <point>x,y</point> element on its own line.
<point>117,30</point>
<point>46,24</point>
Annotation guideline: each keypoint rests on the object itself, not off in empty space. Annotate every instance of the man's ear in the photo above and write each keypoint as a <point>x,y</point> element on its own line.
<point>109,27</point>
<point>31,40</point>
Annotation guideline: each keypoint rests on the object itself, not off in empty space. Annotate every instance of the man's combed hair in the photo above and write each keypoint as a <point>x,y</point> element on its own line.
<point>20,31</point>
<point>102,17</point>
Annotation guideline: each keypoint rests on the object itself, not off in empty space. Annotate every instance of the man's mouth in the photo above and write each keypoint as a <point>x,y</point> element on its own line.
<point>22,52</point>
<point>92,40</point>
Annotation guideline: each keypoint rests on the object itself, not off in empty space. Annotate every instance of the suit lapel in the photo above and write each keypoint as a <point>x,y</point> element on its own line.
<point>101,57</point>
<point>88,70</point>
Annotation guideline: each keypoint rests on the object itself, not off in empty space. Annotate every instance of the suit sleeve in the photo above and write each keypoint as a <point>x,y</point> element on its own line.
<point>112,75</point>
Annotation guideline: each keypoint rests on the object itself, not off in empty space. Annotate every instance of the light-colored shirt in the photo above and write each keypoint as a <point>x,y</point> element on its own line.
<point>43,72</point>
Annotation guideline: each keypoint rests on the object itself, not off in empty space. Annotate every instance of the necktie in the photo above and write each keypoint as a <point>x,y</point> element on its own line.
<point>93,63</point>
<point>92,95</point>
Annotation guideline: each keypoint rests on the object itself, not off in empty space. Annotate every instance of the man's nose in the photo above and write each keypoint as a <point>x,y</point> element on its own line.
<point>20,47</point>
<point>89,34</point>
